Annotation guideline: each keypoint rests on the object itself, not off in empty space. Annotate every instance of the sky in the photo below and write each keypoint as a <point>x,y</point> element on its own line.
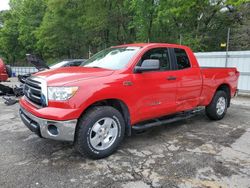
<point>4,4</point>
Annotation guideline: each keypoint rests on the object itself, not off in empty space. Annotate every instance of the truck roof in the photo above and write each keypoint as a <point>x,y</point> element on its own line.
<point>150,44</point>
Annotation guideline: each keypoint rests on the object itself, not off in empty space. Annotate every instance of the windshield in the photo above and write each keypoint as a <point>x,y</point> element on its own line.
<point>112,58</point>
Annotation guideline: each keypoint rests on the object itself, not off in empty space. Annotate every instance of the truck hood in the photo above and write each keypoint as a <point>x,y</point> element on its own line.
<point>66,75</point>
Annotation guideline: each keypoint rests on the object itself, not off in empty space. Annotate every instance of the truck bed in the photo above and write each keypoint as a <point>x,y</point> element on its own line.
<point>212,77</point>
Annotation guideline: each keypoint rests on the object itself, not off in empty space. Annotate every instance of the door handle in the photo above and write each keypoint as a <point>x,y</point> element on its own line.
<point>171,78</point>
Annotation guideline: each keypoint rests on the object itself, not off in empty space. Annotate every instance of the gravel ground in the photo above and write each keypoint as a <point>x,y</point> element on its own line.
<point>192,153</point>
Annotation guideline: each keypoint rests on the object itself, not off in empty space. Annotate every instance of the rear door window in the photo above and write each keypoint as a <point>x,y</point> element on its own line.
<point>182,60</point>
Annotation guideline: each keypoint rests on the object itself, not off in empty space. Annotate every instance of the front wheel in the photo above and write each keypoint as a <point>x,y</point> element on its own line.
<point>100,132</point>
<point>217,109</point>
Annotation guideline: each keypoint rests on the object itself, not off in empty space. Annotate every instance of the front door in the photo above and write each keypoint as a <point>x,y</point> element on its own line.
<point>156,90</point>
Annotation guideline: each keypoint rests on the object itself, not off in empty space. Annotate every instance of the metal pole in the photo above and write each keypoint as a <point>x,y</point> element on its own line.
<point>228,36</point>
<point>180,39</point>
<point>89,52</point>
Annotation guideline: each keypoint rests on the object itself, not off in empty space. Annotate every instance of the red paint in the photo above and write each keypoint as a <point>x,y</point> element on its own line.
<point>147,95</point>
<point>3,72</point>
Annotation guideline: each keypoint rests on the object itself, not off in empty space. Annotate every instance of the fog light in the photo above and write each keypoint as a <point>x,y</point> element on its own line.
<point>53,130</point>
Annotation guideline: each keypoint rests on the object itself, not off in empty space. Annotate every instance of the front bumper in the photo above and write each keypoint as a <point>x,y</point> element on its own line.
<point>57,130</point>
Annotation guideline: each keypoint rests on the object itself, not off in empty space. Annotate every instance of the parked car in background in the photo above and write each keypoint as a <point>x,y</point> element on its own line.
<point>5,71</point>
<point>67,63</point>
<point>132,86</point>
<point>41,65</point>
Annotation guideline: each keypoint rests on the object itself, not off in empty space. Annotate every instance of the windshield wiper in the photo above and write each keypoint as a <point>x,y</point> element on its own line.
<point>98,67</point>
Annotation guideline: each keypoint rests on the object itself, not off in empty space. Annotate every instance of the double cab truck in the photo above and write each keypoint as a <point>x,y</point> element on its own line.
<point>132,86</point>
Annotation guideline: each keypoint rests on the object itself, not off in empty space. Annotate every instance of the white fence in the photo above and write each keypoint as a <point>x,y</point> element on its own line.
<point>238,59</point>
<point>22,70</point>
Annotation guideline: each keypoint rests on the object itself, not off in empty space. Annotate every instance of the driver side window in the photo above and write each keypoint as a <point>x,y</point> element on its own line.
<point>158,53</point>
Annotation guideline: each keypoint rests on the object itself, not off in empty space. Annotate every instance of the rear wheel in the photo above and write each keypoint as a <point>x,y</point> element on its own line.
<point>217,109</point>
<point>100,132</point>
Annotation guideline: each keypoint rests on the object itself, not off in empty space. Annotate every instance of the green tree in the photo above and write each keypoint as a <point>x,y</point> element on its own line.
<point>240,39</point>
<point>58,29</point>
<point>30,14</point>
<point>10,48</point>
<point>60,33</point>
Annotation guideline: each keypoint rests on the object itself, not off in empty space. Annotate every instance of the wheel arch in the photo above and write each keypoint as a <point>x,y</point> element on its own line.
<point>226,88</point>
<point>118,105</point>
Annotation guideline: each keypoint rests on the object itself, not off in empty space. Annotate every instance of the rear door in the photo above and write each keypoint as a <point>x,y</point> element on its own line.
<point>189,80</point>
<point>155,90</point>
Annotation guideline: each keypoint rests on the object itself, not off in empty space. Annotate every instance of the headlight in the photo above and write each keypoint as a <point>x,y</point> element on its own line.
<point>61,93</point>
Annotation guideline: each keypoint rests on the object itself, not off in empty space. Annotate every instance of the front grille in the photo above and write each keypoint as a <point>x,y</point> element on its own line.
<point>33,91</point>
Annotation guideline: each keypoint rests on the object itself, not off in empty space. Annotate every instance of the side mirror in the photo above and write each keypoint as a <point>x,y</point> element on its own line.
<point>148,65</point>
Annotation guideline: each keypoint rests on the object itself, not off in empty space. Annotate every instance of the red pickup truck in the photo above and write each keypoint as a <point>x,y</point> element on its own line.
<point>132,86</point>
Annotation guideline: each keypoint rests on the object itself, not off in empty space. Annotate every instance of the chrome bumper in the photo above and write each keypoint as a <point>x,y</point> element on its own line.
<point>57,130</point>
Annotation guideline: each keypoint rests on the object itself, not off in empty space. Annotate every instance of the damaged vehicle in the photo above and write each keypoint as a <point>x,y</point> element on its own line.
<point>5,71</point>
<point>41,65</point>
<point>12,94</point>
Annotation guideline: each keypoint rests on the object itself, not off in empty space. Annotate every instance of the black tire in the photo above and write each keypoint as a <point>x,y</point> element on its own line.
<point>84,131</point>
<point>9,71</point>
<point>211,109</point>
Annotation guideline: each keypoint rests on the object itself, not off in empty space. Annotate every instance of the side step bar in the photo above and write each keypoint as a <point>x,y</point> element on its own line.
<point>158,122</point>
